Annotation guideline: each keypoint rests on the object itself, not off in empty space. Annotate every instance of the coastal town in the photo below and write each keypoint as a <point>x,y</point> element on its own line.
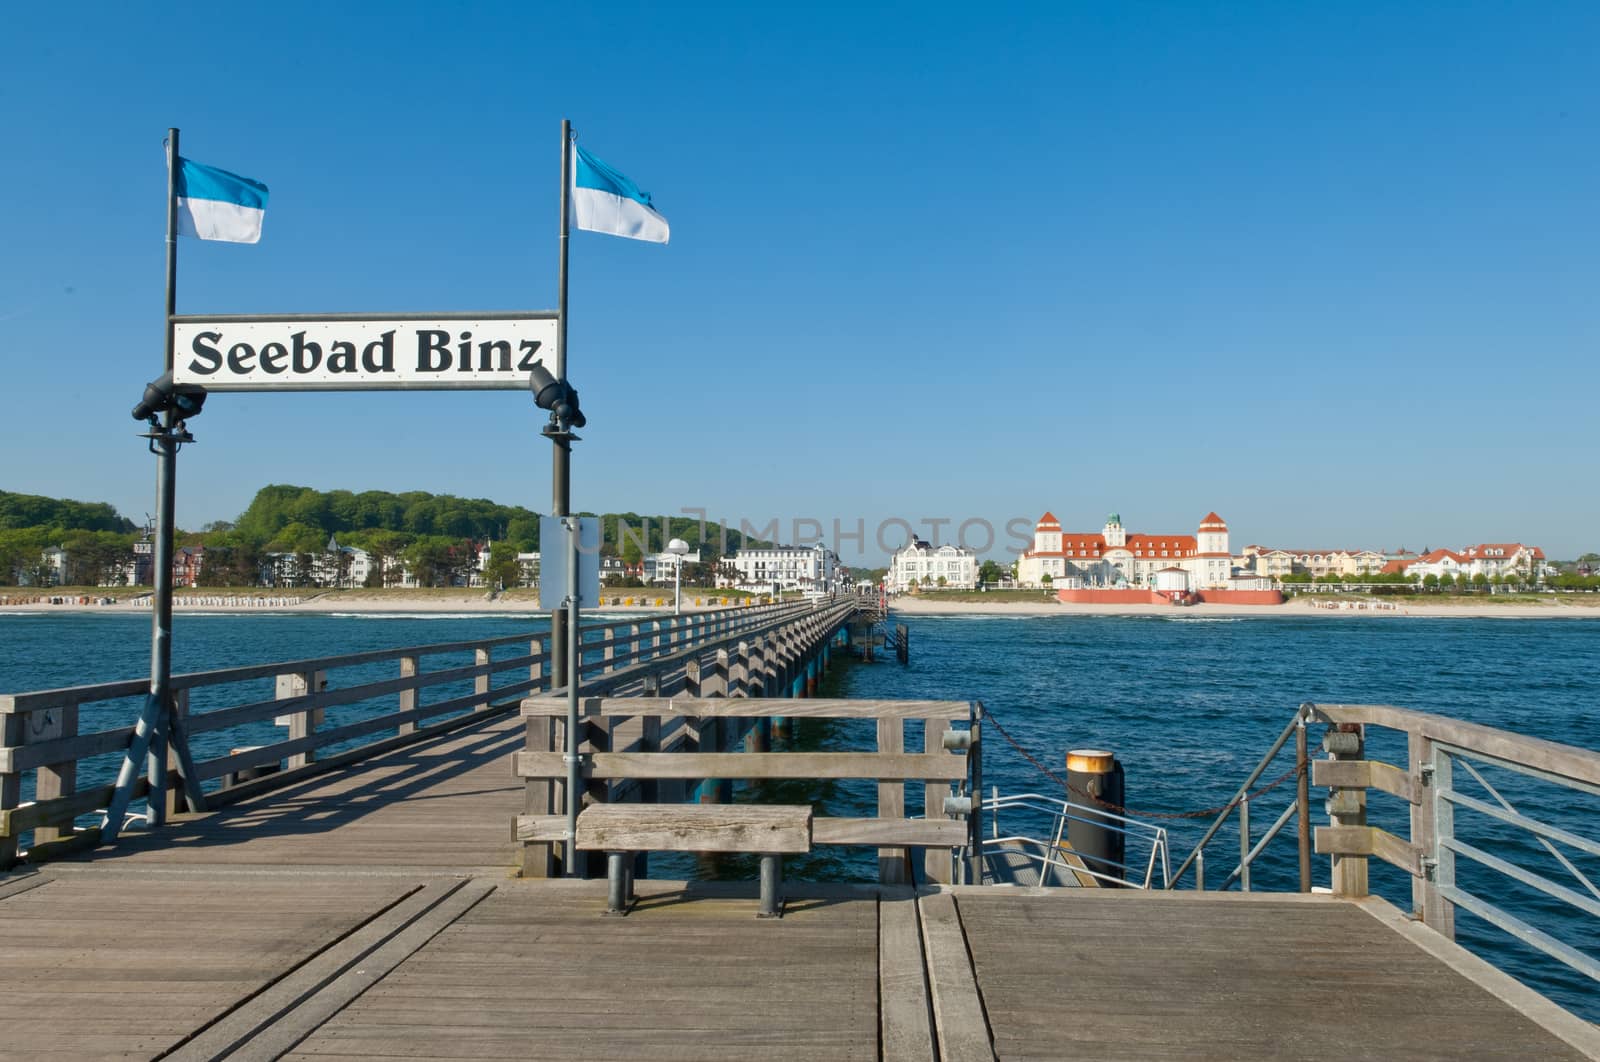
<point>1113,565</point>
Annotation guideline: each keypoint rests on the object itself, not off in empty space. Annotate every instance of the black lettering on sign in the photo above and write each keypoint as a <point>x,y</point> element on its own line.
<point>487,362</point>
<point>342,356</point>
<point>530,355</point>
<point>240,356</point>
<point>464,362</point>
<point>307,356</point>
<point>207,358</point>
<point>273,356</point>
<point>432,342</point>
<point>370,357</point>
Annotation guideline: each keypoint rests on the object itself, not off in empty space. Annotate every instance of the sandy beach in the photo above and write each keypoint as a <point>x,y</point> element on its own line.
<point>478,602</point>
<point>1557,609</point>
<point>525,602</point>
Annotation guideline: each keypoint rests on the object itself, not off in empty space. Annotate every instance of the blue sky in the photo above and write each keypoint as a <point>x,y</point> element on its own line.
<point>1328,271</point>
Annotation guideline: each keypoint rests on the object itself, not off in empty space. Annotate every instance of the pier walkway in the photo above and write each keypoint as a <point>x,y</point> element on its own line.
<point>374,913</point>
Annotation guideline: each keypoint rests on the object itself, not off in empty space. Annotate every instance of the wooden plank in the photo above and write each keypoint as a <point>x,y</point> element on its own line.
<point>905,1018</point>
<point>762,765</point>
<point>243,1023</point>
<point>278,1038</point>
<point>1566,760</point>
<point>931,833</point>
<point>816,708</point>
<point>959,1019</point>
<point>695,828</point>
<point>1363,774</point>
<point>12,884</point>
<point>891,801</point>
<point>1368,841</point>
<point>866,833</point>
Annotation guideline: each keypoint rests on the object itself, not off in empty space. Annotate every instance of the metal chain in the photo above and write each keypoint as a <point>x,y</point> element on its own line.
<point>1204,813</point>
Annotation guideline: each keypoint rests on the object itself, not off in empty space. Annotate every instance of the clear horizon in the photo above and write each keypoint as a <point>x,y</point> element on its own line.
<point>1325,272</point>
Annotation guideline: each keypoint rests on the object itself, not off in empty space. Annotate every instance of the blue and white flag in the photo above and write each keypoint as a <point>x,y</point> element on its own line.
<point>603,200</point>
<point>214,204</point>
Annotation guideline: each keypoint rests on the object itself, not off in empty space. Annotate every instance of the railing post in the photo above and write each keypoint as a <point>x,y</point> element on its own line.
<point>56,779</point>
<point>11,725</point>
<point>301,723</point>
<point>1302,789</point>
<point>892,801</point>
<point>538,858</point>
<point>739,671</point>
<point>480,684</point>
<point>1441,913</point>
<point>1348,807</point>
<point>1244,843</point>
<point>610,650</point>
<point>175,797</point>
<point>536,669</point>
<point>408,697</point>
<point>936,864</point>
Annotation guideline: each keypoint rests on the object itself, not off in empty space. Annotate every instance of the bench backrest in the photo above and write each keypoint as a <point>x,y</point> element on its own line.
<point>761,829</point>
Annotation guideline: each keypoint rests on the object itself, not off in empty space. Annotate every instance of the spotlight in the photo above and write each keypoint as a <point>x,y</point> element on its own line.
<point>161,394</point>
<point>558,396</point>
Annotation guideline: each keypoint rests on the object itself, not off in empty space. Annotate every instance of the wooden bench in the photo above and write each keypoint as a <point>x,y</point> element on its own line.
<point>768,831</point>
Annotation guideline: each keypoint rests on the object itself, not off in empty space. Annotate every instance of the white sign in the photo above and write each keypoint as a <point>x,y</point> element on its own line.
<point>360,352</point>
<point>555,550</point>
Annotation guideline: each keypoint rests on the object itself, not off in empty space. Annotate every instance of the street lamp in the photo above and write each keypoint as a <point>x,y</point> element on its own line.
<point>678,548</point>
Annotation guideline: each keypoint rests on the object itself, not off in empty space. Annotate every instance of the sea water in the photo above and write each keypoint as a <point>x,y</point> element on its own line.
<point>1188,704</point>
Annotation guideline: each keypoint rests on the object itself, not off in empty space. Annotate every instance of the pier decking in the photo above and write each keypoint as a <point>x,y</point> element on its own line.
<point>373,913</point>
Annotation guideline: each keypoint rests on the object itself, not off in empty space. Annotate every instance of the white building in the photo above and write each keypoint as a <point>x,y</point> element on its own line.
<point>1489,559</point>
<point>336,566</point>
<point>528,564</point>
<point>1113,558</point>
<point>945,567</point>
<point>661,567</point>
<point>791,567</point>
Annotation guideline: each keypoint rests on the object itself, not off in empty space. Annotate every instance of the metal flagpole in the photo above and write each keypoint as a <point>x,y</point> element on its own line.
<point>565,651</point>
<point>155,726</point>
<point>561,452</point>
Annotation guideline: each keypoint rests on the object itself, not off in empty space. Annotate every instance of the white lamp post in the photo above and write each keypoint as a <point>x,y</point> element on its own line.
<point>678,548</point>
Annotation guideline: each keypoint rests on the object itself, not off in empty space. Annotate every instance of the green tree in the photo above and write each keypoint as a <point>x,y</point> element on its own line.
<point>1430,581</point>
<point>503,571</point>
<point>990,572</point>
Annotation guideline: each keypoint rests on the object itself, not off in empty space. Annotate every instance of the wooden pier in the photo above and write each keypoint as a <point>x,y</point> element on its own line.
<point>374,909</point>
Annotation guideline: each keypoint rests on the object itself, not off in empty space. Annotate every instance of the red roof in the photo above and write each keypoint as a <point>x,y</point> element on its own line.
<point>1048,522</point>
<point>1213,520</point>
<point>1507,549</point>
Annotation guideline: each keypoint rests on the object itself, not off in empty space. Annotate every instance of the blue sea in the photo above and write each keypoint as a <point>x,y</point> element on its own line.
<point>1188,704</point>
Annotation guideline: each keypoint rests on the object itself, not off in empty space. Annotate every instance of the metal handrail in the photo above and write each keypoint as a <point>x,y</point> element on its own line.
<point>648,642</point>
<point>1240,803</point>
<point>1053,852</point>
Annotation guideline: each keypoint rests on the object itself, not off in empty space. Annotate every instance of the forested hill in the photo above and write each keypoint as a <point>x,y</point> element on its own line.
<point>416,526</point>
<point>19,511</point>
<point>301,519</point>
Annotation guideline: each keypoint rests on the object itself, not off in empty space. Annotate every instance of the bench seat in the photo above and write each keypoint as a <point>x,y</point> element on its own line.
<point>769,831</point>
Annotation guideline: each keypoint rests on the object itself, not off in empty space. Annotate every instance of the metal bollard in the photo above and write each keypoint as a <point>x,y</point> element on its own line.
<point>1097,838</point>
<point>617,885</point>
<point>771,886</point>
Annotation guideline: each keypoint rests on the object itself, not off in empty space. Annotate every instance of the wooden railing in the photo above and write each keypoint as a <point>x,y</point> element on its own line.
<point>651,749</point>
<point>71,770</point>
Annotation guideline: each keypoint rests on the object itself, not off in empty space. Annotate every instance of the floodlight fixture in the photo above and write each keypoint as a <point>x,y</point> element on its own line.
<point>161,394</point>
<point>558,396</point>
